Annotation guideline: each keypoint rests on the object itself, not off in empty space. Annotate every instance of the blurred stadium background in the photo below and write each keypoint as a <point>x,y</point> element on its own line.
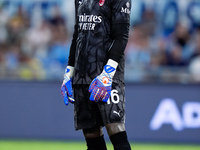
<point>162,72</point>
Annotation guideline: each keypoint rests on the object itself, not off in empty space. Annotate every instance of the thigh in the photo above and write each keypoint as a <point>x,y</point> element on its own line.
<point>86,112</point>
<point>113,111</point>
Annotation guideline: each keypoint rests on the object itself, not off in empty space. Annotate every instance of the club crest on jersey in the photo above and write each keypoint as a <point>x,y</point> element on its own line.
<point>101,2</point>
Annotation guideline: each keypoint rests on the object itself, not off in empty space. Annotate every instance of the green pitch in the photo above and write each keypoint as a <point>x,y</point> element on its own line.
<point>52,145</point>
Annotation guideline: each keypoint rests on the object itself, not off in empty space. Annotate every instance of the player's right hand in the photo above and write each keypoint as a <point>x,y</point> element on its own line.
<point>66,88</point>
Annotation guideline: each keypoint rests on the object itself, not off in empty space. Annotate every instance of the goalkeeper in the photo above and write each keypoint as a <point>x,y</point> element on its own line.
<point>94,77</point>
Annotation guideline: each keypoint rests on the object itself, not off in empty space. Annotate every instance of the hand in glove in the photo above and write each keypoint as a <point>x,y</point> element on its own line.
<point>66,88</point>
<point>101,86</point>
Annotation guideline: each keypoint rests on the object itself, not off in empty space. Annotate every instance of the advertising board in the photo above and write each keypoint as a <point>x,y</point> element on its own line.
<point>154,112</point>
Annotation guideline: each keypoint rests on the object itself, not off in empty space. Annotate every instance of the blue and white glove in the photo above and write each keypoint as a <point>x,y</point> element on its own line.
<point>101,86</point>
<point>66,88</point>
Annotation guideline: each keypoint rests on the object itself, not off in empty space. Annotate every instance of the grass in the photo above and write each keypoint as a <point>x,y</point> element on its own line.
<point>55,145</point>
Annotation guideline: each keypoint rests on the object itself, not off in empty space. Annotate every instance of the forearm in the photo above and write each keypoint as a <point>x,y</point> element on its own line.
<point>72,52</point>
<point>71,59</point>
<point>120,35</point>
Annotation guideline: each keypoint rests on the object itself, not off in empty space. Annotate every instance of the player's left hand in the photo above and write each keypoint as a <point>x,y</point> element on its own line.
<point>100,88</point>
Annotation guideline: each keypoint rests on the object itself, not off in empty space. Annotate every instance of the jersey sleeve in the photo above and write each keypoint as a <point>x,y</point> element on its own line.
<point>120,28</point>
<point>72,52</point>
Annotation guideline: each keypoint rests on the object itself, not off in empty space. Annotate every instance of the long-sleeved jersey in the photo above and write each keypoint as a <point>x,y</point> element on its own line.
<point>100,33</point>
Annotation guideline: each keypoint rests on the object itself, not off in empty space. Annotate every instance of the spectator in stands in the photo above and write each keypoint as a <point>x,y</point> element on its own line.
<point>17,26</point>
<point>196,44</point>
<point>3,16</point>
<point>37,40</point>
<point>3,21</point>
<point>138,53</point>
<point>194,65</point>
<point>56,19</point>
<point>177,46</point>
<point>59,50</point>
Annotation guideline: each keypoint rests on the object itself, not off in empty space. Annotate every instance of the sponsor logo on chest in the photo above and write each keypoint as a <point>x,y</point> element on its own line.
<point>88,22</point>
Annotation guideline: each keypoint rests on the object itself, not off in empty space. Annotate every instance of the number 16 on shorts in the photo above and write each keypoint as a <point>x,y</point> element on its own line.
<point>114,97</point>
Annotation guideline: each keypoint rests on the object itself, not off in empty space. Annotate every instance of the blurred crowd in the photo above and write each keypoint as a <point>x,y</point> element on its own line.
<point>36,47</point>
<point>36,50</point>
<point>165,47</point>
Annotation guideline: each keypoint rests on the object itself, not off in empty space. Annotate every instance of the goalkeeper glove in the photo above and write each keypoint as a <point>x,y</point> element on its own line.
<point>66,88</point>
<point>100,88</point>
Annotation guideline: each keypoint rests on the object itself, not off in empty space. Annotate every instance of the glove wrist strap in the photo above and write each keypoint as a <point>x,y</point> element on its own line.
<point>113,64</point>
<point>69,71</point>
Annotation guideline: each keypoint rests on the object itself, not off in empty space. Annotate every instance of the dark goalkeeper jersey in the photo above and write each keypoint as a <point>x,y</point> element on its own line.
<point>100,33</point>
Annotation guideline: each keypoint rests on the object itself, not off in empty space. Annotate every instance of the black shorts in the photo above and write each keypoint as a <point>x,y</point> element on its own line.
<point>88,114</point>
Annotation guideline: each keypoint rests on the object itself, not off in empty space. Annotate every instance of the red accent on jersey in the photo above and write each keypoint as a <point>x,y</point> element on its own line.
<point>101,2</point>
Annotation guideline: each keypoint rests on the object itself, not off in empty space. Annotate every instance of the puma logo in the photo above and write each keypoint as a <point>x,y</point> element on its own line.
<point>115,112</point>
